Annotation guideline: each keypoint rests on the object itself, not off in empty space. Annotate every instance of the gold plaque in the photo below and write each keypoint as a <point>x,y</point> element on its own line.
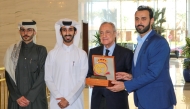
<point>104,71</point>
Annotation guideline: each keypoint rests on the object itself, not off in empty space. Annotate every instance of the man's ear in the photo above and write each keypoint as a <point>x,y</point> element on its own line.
<point>34,32</point>
<point>75,32</point>
<point>60,33</point>
<point>152,21</point>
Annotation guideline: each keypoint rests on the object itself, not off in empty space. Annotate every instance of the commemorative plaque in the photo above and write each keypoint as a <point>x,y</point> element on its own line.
<point>104,71</point>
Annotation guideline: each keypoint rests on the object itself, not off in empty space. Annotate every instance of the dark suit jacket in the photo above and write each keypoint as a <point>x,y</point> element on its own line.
<point>151,78</point>
<point>123,63</point>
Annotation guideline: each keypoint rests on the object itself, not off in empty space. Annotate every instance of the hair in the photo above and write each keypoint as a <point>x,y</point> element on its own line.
<point>75,29</point>
<point>147,8</point>
<point>113,26</point>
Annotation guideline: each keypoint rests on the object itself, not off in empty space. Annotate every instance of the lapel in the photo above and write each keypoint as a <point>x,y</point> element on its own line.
<point>145,44</point>
<point>100,50</point>
<point>116,53</point>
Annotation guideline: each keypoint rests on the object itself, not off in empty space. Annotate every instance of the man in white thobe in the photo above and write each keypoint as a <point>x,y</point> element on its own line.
<point>66,67</point>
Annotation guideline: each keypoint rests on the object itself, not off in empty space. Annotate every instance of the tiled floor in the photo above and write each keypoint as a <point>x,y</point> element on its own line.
<point>182,89</point>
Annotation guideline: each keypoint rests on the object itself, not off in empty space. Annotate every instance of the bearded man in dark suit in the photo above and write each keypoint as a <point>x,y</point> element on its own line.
<point>151,83</point>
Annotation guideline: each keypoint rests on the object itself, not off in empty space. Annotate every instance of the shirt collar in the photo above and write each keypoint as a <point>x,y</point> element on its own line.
<point>30,44</point>
<point>139,39</point>
<point>68,47</point>
<point>110,49</point>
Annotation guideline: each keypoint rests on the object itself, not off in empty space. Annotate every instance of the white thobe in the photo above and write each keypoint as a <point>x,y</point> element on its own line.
<point>65,72</point>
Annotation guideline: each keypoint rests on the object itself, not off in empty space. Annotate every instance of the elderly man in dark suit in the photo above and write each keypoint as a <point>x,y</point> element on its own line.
<point>102,98</point>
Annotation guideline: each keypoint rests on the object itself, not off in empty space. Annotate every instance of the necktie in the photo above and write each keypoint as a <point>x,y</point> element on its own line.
<point>107,51</point>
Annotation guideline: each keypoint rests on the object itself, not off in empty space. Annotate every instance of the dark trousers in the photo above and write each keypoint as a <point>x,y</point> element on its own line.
<point>103,98</point>
<point>103,103</point>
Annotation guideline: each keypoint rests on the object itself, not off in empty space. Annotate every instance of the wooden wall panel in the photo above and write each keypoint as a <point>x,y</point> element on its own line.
<point>44,12</point>
<point>85,37</point>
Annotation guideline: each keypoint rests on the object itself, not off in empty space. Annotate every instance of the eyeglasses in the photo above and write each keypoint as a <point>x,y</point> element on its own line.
<point>29,30</point>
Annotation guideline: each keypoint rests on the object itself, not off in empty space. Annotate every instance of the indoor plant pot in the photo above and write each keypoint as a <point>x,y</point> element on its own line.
<point>186,71</point>
<point>186,62</point>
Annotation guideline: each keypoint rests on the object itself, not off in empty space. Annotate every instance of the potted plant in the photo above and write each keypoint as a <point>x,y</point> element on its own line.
<point>97,39</point>
<point>186,63</point>
<point>159,19</point>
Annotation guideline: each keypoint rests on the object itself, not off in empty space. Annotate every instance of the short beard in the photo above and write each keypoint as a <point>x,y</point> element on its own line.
<point>67,41</point>
<point>30,37</point>
<point>143,30</point>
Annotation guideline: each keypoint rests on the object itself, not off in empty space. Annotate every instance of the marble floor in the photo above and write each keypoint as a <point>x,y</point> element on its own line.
<point>182,89</point>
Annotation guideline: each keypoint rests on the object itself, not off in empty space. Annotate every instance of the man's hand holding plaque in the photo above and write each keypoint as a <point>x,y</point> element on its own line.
<point>119,85</point>
<point>104,71</point>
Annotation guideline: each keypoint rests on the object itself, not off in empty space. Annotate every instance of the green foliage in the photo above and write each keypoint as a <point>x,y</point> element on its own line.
<point>122,44</point>
<point>186,53</point>
<point>97,39</point>
<point>159,19</point>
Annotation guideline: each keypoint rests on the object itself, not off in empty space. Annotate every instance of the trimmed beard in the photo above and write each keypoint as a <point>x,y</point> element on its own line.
<point>30,37</point>
<point>143,30</point>
<point>68,41</point>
